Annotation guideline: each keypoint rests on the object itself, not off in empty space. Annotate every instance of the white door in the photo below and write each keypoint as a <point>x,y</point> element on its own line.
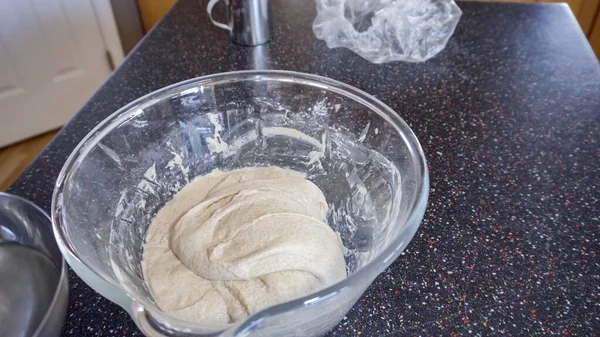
<point>52,59</point>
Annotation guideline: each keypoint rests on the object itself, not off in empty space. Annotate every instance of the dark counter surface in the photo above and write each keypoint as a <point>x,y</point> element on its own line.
<point>509,118</point>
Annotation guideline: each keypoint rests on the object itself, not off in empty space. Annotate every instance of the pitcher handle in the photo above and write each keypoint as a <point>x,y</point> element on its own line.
<point>209,9</point>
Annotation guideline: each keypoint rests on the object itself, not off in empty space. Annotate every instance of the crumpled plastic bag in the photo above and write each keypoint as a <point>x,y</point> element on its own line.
<point>387,30</point>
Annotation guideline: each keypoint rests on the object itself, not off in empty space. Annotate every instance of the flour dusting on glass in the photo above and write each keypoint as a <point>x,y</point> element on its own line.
<point>360,184</point>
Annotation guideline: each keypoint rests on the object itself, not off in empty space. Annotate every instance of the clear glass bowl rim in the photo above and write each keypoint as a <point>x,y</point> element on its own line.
<point>133,109</point>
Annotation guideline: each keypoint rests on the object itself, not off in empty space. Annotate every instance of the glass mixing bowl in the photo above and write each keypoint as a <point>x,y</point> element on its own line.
<point>365,159</point>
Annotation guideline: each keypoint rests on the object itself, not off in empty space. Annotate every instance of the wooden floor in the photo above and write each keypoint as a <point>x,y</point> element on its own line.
<point>15,158</point>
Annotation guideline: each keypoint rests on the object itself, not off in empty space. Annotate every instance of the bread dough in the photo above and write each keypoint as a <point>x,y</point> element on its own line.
<point>230,244</point>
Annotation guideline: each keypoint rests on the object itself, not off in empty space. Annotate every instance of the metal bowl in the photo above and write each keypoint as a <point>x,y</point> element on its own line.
<point>33,274</point>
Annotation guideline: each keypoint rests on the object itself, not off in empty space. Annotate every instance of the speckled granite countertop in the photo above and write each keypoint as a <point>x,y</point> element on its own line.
<point>509,118</point>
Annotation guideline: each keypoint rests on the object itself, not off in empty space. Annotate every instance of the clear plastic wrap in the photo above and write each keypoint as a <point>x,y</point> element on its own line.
<point>387,30</point>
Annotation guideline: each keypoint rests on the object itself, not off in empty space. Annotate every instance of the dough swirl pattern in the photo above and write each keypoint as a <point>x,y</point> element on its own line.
<point>230,244</point>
